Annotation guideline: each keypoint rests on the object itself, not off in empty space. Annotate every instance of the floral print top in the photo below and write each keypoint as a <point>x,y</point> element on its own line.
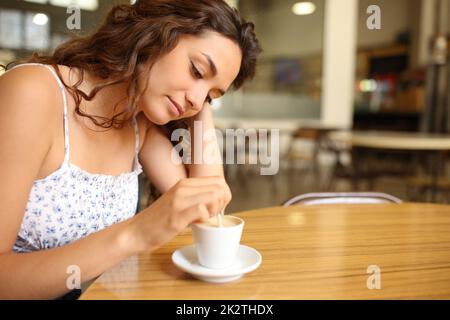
<point>71,203</point>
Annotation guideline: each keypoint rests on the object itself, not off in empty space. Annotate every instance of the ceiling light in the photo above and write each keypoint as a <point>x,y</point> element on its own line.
<point>40,19</point>
<point>303,8</point>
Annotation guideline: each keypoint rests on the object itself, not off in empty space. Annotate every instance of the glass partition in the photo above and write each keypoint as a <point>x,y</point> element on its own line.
<point>288,81</point>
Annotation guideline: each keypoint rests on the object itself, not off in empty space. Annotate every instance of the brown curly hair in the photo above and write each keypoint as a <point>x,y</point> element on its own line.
<point>133,35</point>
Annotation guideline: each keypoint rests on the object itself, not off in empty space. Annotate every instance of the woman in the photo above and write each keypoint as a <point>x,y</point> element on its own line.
<point>78,127</point>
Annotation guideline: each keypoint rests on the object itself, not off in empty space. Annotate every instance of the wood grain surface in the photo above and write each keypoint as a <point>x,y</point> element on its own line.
<point>309,252</point>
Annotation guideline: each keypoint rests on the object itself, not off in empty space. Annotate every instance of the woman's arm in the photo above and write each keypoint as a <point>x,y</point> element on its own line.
<point>155,157</point>
<point>45,274</point>
<point>207,160</point>
<point>156,154</point>
<point>210,163</point>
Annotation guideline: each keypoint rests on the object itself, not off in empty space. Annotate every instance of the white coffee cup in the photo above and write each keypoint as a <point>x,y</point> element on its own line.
<point>217,247</point>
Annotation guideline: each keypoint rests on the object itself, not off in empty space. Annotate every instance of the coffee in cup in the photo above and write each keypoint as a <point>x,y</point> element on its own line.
<point>227,221</point>
<point>216,246</point>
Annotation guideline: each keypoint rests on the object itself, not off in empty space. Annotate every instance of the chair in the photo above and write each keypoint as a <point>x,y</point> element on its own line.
<point>301,157</point>
<point>247,157</point>
<point>341,198</point>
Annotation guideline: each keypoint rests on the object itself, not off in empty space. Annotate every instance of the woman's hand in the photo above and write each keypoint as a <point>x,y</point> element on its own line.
<point>190,200</point>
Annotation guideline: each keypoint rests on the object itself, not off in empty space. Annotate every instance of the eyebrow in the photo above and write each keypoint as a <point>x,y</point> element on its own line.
<point>213,67</point>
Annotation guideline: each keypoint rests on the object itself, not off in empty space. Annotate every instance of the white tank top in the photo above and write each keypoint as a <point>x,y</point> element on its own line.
<point>70,203</point>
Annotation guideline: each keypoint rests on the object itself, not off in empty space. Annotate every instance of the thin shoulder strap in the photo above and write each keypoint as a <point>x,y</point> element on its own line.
<point>66,119</point>
<point>66,122</point>
<point>136,146</point>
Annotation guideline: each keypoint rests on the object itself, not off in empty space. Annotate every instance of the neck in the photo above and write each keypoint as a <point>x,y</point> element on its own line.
<point>108,102</point>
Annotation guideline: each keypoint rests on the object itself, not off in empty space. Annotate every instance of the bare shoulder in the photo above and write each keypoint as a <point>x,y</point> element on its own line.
<point>31,91</point>
<point>30,100</point>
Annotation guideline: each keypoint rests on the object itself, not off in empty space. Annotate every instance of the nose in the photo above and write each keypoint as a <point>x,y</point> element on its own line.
<point>196,98</point>
<point>194,102</point>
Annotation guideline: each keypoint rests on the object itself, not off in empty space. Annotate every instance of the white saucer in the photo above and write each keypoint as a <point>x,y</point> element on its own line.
<point>248,259</point>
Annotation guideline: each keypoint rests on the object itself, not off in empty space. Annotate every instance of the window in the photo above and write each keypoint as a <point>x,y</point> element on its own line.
<point>37,31</point>
<point>11,31</point>
<point>288,81</point>
<point>90,5</point>
<point>24,30</point>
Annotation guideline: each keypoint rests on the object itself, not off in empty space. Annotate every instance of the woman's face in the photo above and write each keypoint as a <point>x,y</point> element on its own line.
<point>197,70</point>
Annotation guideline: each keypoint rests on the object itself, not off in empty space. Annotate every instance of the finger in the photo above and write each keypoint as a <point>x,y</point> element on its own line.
<point>203,181</point>
<point>222,191</point>
<point>213,204</point>
<point>212,201</point>
<point>197,213</point>
<point>228,196</point>
<point>192,190</point>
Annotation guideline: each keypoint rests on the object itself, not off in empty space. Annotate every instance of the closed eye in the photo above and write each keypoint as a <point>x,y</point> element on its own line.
<point>198,75</point>
<point>195,71</point>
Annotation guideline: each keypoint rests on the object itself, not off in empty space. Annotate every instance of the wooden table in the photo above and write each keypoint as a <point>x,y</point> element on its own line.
<point>310,252</point>
<point>393,140</point>
<point>362,143</point>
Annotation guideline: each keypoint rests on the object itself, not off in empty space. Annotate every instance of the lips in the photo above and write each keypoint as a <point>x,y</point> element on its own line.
<point>177,106</point>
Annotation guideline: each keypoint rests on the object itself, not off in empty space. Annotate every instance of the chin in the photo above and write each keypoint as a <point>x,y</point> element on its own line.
<point>161,122</point>
<point>158,118</point>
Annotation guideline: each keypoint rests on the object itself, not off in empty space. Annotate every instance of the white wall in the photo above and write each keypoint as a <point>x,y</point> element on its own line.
<point>283,33</point>
<point>339,63</point>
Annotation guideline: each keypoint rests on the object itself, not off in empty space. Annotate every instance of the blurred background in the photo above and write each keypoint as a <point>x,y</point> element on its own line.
<point>357,88</point>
